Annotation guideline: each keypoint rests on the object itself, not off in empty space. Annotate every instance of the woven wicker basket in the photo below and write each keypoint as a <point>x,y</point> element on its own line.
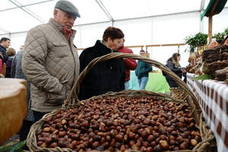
<point>72,101</point>
<point>178,93</point>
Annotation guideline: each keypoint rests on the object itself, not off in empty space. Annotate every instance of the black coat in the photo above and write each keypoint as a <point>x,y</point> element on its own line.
<point>3,54</point>
<point>103,77</point>
<point>176,70</point>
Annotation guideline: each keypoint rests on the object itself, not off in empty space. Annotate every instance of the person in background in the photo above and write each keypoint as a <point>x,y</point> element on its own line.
<point>4,44</point>
<point>11,54</point>
<point>1,67</point>
<point>174,65</point>
<point>142,71</point>
<point>105,76</point>
<point>130,64</point>
<point>16,65</point>
<point>17,72</point>
<point>50,61</point>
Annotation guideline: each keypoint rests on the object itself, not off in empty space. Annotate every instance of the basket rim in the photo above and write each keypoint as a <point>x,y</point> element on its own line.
<point>72,97</point>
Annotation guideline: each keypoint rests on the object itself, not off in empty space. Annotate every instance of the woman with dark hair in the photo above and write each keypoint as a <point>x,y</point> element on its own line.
<point>174,65</point>
<point>108,75</point>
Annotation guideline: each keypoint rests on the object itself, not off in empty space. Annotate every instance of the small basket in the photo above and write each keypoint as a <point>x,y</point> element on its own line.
<point>72,101</point>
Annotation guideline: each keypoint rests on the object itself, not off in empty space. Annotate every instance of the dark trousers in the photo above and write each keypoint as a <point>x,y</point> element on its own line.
<point>38,115</point>
<point>25,129</point>
<point>27,124</point>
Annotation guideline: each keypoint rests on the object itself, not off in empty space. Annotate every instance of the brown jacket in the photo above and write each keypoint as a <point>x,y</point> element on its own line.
<point>50,62</point>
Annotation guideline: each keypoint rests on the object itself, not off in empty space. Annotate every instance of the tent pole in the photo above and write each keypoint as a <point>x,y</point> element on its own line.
<point>210,28</point>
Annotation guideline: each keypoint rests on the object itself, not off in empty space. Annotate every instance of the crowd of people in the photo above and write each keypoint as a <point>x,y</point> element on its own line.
<point>50,63</point>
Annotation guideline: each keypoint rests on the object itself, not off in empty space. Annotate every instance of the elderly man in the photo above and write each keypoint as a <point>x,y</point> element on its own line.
<point>50,61</point>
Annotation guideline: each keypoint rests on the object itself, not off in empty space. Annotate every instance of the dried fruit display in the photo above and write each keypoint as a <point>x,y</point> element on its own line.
<point>212,60</point>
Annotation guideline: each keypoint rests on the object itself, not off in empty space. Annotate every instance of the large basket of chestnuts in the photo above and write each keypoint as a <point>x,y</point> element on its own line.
<point>123,121</point>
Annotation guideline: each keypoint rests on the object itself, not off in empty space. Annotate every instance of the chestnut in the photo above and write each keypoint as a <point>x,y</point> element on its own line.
<point>150,138</point>
<point>119,137</point>
<point>164,144</point>
<point>53,145</point>
<point>95,144</point>
<point>47,129</point>
<point>62,133</point>
<point>63,122</point>
<point>183,145</point>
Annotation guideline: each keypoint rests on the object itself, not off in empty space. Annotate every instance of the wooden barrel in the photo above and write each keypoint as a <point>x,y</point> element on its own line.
<point>13,106</point>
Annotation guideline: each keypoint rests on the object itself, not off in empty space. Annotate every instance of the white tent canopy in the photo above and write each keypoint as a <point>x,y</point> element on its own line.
<point>142,21</point>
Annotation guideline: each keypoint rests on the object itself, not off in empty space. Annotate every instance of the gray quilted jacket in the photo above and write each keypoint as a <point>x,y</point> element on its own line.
<point>50,62</point>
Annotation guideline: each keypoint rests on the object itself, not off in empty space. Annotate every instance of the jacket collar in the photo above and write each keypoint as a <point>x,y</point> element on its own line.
<point>59,27</point>
<point>102,48</point>
<point>1,47</point>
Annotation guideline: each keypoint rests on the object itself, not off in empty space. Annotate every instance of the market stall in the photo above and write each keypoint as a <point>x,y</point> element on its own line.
<point>79,102</point>
<point>213,98</point>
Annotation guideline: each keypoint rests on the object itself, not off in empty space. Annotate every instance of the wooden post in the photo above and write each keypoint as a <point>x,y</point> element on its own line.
<point>210,29</point>
<point>178,50</point>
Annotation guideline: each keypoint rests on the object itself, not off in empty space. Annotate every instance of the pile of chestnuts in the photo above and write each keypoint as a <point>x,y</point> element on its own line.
<point>146,124</point>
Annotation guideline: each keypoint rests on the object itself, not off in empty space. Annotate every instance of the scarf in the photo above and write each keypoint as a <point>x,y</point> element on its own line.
<point>67,32</point>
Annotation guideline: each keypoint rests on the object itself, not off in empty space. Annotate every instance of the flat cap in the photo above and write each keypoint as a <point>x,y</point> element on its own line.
<point>67,7</point>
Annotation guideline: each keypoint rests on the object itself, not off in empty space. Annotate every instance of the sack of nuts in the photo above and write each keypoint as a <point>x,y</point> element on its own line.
<point>123,121</point>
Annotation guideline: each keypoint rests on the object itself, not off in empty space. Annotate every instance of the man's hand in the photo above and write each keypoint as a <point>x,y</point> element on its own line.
<point>57,99</point>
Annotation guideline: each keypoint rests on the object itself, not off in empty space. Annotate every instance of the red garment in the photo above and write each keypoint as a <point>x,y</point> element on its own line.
<point>1,66</point>
<point>130,64</point>
<point>67,32</point>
